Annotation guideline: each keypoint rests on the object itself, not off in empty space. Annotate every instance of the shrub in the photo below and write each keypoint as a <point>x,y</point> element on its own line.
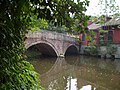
<point>91,50</point>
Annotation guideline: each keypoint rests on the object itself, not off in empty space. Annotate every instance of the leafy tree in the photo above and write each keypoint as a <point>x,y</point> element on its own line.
<point>62,12</point>
<point>37,23</point>
<point>15,73</point>
<point>108,7</point>
<point>15,18</point>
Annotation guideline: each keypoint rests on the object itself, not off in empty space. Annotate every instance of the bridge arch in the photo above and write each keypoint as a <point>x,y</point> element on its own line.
<point>71,50</point>
<point>44,47</point>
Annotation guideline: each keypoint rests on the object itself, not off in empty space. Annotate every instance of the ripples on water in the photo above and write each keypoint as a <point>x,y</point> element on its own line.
<point>78,73</point>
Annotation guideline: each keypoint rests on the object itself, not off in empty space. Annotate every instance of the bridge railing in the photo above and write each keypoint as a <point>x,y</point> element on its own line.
<point>51,35</point>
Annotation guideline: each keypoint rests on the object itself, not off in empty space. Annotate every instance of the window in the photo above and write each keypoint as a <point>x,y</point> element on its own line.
<point>110,36</point>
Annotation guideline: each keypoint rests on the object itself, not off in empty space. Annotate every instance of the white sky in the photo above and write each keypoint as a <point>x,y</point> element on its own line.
<point>94,9</point>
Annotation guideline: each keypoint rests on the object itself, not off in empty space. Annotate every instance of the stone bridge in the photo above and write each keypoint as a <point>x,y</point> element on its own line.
<point>52,43</point>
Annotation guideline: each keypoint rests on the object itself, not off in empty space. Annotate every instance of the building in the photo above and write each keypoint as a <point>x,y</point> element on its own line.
<point>112,36</point>
<point>113,30</point>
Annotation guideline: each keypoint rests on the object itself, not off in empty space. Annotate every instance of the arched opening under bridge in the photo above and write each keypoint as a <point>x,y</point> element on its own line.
<point>71,50</point>
<point>41,50</point>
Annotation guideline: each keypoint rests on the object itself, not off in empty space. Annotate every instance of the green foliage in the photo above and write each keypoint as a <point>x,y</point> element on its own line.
<point>102,41</point>
<point>15,74</point>
<point>15,17</point>
<point>91,50</point>
<point>20,76</point>
<point>111,49</point>
<point>80,24</point>
<point>62,12</point>
<point>59,29</point>
<point>98,19</point>
<point>92,33</point>
<point>36,23</point>
<point>108,7</point>
<point>87,50</point>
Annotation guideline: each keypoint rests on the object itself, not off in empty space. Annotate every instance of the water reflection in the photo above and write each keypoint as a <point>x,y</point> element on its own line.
<point>42,65</point>
<point>78,73</point>
<point>71,83</point>
<point>87,87</point>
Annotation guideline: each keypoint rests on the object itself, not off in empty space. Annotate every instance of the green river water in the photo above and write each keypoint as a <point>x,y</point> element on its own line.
<point>78,73</point>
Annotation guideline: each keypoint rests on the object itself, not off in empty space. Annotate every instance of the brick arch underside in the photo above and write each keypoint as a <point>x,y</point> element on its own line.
<point>71,50</point>
<point>45,48</point>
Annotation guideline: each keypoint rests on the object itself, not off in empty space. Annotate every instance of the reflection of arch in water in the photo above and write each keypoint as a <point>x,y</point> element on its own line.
<point>71,50</point>
<point>61,69</point>
<point>42,62</point>
<point>73,60</point>
<point>58,65</point>
<point>44,47</point>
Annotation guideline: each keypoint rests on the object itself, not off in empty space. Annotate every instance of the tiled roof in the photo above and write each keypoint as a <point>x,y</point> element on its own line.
<point>94,26</point>
<point>113,21</point>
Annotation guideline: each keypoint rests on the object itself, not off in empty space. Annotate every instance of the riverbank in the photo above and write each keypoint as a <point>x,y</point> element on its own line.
<point>110,52</point>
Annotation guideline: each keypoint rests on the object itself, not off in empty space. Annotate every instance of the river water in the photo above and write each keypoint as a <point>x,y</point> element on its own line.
<point>78,73</point>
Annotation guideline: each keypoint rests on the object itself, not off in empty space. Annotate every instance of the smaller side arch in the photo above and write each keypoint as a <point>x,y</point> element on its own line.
<point>71,50</point>
<point>42,42</point>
